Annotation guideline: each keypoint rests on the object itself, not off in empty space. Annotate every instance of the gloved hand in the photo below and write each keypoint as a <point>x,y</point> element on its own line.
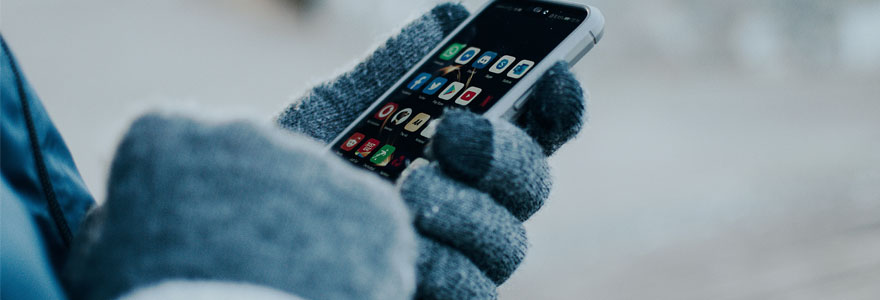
<point>237,210</point>
<point>486,176</point>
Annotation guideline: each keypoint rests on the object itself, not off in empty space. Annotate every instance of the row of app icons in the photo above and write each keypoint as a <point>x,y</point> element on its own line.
<point>402,115</point>
<point>450,91</point>
<point>398,116</point>
<point>381,158</point>
<point>498,67</point>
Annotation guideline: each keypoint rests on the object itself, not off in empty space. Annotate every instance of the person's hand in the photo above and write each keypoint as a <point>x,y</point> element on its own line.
<point>238,210</point>
<point>486,176</point>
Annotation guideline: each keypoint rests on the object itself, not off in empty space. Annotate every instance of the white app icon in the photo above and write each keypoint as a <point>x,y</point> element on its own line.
<point>520,69</point>
<point>430,129</point>
<point>401,116</point>
<point>417,122</point>
<point>468,95</point>
<point>467,55</point>
<point>451,90</point>
<point>502,64</point>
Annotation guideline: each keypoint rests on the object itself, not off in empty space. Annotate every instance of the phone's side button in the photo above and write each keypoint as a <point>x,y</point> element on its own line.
<point>519,103</point>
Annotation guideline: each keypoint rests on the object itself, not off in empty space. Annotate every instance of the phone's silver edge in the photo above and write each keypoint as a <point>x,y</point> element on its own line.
<point>407,75</point>
<point>580,41</point>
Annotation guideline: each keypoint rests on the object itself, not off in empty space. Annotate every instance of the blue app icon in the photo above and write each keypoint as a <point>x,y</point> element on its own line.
<point>484,60</point>
<point>434,86</point>
<point>501,64</point>
<point>467,55</point>
<point>420,80</point>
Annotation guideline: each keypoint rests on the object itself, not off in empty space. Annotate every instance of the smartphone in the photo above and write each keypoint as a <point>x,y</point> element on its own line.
<point>487,65</point>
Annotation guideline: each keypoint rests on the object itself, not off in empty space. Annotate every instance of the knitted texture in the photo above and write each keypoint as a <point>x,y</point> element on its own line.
<point>487,176</point>
<point>467,219</point>
<point>557,111</point>
<point>497,158</point>
<point>444,273</point>
<point>469,165</point>
<point>243,203</point>
<point>330,107</point>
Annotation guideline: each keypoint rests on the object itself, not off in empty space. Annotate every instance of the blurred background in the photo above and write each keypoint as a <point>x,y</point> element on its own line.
<point>733,150</point>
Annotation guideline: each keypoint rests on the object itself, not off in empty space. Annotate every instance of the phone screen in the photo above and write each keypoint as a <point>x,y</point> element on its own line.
<point>480,64</point>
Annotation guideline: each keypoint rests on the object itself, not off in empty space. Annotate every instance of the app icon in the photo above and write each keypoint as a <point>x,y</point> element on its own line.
<point>367,147</point>
<point>502,64</point>
<point>468,95</point>
<point>352,141</point>
<point>434,86</point>
<point>520,69</point>
<point>429,130</point>
<point>416,83</point>
<point>383,156</point>
<point>484,60</point>
<point>401,116</point>
<point>467,55</point>
<point>451,90</point>
<point>417,122</point>
<point>385,111</point>
<point>451,51</point>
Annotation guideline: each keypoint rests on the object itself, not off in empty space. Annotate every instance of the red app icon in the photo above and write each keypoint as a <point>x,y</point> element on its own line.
<point>386,110</point>
<point>468,95</point>
<point>367,148</point>
<point>352,141</point>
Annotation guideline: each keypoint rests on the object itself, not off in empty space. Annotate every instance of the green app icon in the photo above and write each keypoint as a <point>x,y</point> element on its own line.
<point>383,156</point>
<point>451,51</point>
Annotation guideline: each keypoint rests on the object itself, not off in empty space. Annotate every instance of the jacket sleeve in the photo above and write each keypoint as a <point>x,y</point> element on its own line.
<point>37,170</point>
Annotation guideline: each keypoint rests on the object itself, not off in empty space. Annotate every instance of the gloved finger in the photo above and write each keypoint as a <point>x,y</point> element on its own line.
<point>495,157</point>
<point>466,219</point>
<point>556,109</point>
<point>328,108</point>
<point>443,273</point>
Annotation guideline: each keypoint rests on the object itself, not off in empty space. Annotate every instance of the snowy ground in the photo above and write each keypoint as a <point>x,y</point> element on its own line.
<point>733,151</point>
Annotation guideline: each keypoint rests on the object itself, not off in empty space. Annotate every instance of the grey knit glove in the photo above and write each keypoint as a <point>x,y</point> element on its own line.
<point>487,176</point>
<point>203,204</point>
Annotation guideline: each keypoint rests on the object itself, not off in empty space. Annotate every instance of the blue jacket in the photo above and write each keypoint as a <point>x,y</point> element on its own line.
<point>43,196</point>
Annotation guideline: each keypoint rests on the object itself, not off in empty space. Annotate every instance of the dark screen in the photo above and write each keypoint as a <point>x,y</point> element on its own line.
<point>472,71</point>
